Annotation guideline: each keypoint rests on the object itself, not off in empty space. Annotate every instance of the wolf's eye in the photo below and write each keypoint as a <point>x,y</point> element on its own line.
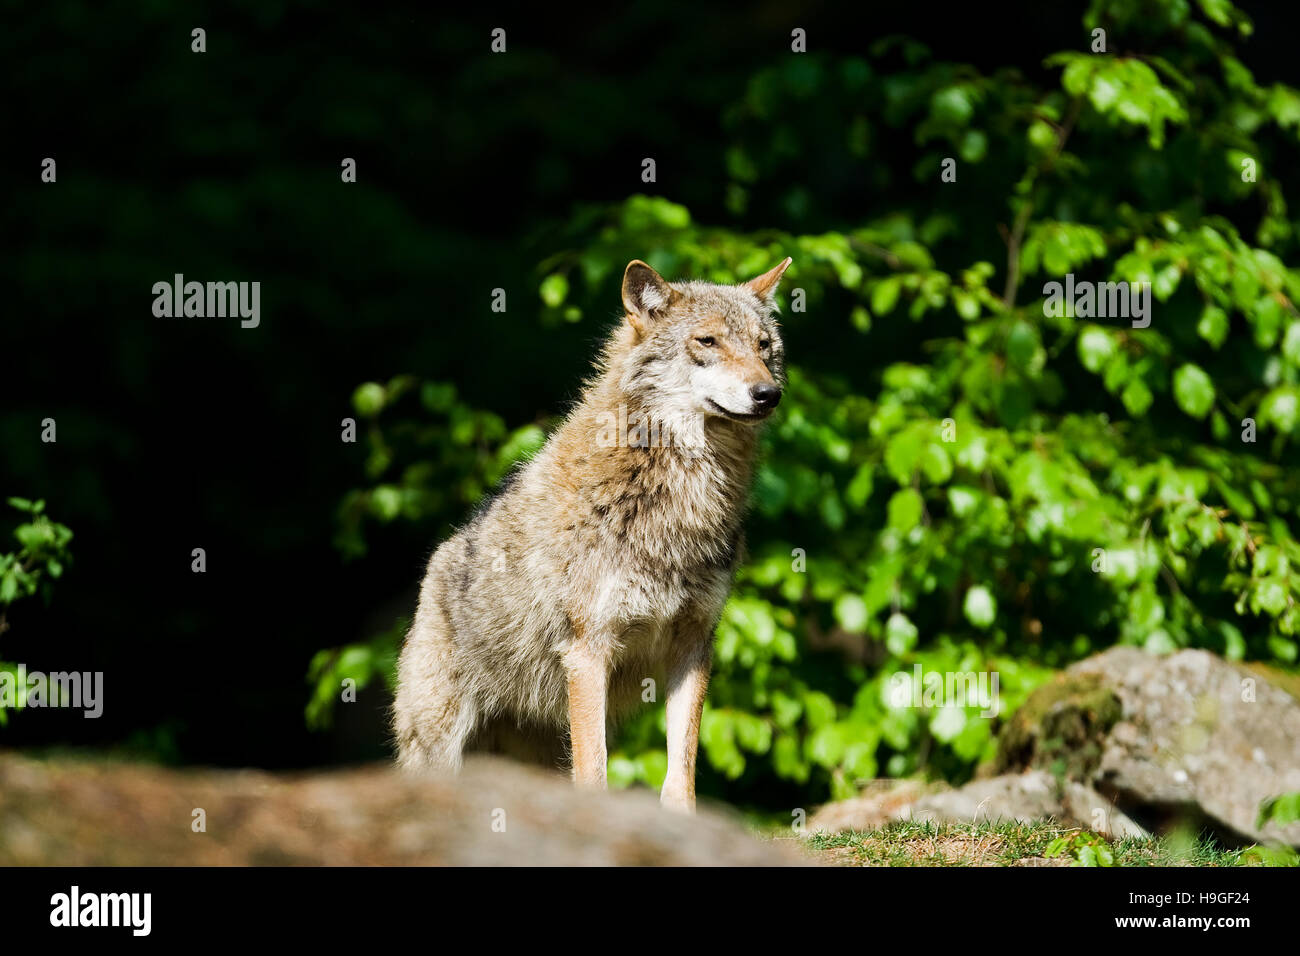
<point>707,341</point>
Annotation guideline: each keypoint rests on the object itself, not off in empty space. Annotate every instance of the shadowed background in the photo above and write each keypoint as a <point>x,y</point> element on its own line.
<point>474,170</point>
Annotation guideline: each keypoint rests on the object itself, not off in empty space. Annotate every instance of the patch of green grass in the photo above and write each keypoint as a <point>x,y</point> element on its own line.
<point>925,843</point>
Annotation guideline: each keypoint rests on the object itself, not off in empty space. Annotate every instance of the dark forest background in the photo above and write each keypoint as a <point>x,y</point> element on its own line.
<point>472,170</point>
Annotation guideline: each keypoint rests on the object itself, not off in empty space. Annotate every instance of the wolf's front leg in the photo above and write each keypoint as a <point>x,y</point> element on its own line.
<point>688,683</point>
<point>588,674</point>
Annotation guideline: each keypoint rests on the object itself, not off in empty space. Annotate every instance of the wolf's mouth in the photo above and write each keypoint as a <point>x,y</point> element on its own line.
<point>739,416</point>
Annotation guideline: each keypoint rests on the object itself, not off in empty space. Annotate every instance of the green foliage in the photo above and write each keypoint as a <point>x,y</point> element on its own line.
<point>40,559</point>
<point>1269,856</point>
<point>1009,843</point>
<point>1282,810</point>
<point>959,478</point>
<point>340,673</point>
<point>452,454</point>
<point>1084,848</point>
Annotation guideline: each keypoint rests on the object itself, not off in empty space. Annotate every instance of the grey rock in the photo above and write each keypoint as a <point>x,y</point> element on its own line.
<point>1200,735</point>
<point>1025,798</point>
<point>495,813</point>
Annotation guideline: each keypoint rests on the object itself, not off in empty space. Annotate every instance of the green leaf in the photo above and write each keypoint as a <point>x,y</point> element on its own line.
<point>1282,810</point>
<point>1096,346</point>
<point>1270,596</point>
<point>905,509</point>
<point>859,490</point>
<point>1136,397</point>
<point>1280,408</point>
<point>554,289</point>
<point>368,399</point>
<point>1193,390</point>
<point>900,634</point>
<point>1213,325</point>
<point>1291,344</point>
<point>980,607</point>
<point>884,296</point>
<point>851,613</point>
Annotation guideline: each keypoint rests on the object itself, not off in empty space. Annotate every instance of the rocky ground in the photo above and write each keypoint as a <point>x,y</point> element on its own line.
<point>1111,761</point>
<point>495,813</point>
<point>1124,744</point>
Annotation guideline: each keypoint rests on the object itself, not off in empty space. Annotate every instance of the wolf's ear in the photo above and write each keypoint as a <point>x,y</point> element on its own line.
<point>763,286</point>
<point>644,293</point>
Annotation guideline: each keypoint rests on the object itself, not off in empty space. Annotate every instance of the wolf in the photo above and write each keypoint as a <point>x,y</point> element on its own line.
<point>605,560</point>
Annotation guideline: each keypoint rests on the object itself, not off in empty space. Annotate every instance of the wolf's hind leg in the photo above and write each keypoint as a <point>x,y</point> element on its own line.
<point>432,716</point>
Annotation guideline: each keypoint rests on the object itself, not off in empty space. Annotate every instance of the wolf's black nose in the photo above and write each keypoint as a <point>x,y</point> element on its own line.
<point>765,396</point>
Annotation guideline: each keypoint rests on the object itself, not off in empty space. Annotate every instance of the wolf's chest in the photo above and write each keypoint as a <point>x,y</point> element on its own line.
<point>679,511</point>
<point>643,595</point>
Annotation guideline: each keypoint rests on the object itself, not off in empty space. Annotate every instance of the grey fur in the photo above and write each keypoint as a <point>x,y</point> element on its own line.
<point>625,549</point>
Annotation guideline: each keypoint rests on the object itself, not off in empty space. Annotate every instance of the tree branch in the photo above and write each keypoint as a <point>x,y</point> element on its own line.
<point>1022,218</point>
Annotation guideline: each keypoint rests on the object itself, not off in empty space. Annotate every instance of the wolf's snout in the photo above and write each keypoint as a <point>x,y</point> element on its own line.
<point>765,396</point>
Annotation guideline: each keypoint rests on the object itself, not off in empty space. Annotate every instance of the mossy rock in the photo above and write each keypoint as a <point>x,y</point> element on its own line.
<point>1060,728</point>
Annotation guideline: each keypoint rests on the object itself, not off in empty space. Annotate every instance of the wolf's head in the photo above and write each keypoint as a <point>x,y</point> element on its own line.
<point>701,350</point>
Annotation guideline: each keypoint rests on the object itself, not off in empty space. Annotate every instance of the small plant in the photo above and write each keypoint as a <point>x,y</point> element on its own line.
<point>1085,848</point>
<point>1269,856</point>
<point>32,569</point>
<point>1281,810</point>
<point>41,557</point>
<point>339,673</point>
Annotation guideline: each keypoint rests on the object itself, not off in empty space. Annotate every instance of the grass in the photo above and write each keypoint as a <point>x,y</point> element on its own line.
<point>914,843</point>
